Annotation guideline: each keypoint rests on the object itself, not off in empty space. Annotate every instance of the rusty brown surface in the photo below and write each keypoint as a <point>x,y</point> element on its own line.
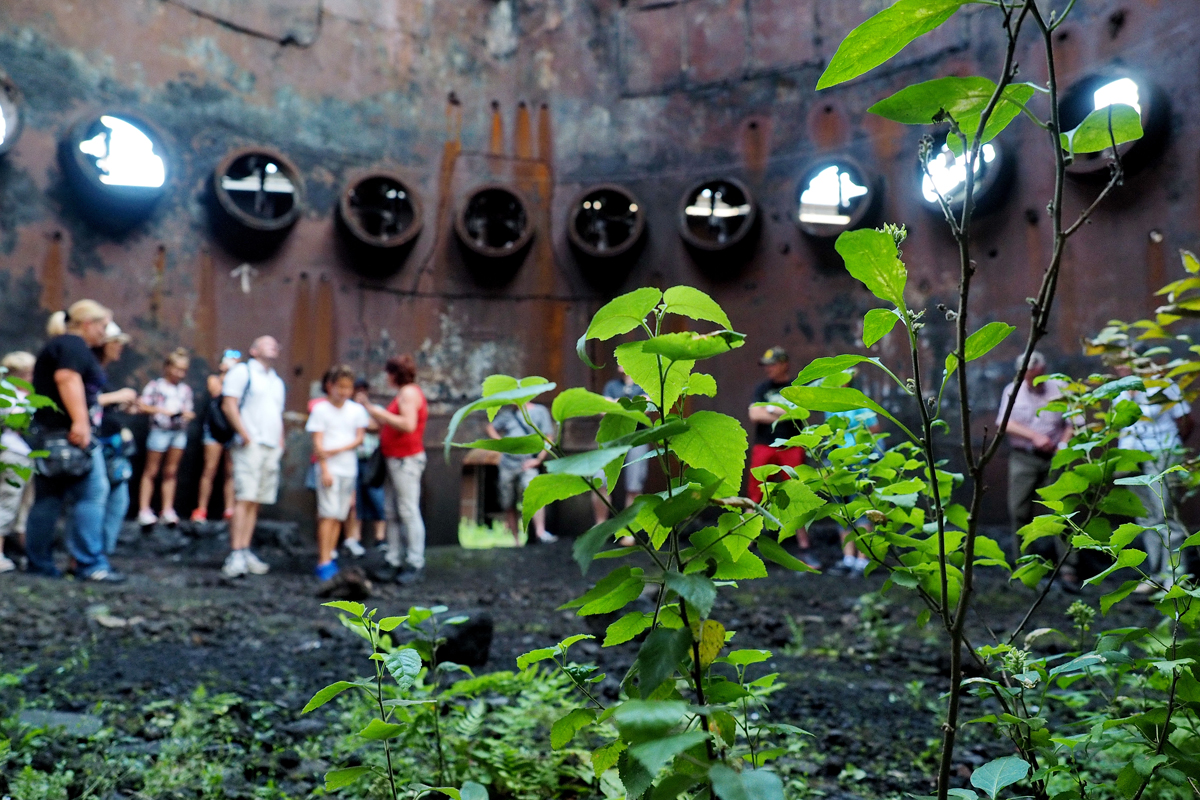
<point>651,94</point>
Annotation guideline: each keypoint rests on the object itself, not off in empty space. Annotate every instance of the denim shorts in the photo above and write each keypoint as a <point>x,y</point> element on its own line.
<point>160,441</point>
<point>208,437</point>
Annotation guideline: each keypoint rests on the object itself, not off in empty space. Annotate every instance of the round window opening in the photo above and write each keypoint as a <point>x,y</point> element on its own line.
<point>606,222</point>
<point>122,152</point>
<point>11,118</point>
<point>494,222</point>
<point>381,211</point>
<point>260,187</point>
<point>946,175</point>
<point>833,197</point>
<point>1109,89</point>
<point>717,214</point>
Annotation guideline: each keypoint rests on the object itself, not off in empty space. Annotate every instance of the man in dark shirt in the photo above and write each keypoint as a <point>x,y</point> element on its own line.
<point>68,373</point>
<point>766,430</point>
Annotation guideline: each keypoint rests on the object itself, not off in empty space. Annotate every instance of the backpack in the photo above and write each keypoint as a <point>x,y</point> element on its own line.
<point>219,427</point>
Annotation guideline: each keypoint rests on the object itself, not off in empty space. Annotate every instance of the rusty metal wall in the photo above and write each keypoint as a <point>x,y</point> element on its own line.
<point>548,96</point>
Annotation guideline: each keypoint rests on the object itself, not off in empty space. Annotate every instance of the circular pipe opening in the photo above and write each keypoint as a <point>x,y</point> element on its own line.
<point>1114,86</point>
<point>835,195</point>
<point>947,176</point>
<point>258,189</point>
<point>12,113</point>
<point>605,222</point>
<point>717,215</point>
<point>117,165</point>
<point>380,210</point>
<point>493,223</point>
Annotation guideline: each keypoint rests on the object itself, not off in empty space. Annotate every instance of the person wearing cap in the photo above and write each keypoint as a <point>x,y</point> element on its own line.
<point>1034,434</point>
<point>766,408</point>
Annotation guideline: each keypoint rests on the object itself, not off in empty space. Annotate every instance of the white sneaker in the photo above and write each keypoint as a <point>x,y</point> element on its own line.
<point>146,517</point>
<point>254,564</point>
<point>354,547</point>
<point>235,564</point>
<point>547,538</point>
<point>6,564</point>
<point>169,517</point>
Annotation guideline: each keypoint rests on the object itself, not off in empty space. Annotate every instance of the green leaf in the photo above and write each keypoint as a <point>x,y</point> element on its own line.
<point>565,728</point>
<point>871,257</point>
<point>877,324</point>
<point>378,730</point>
<point>518,445</point>
<point>627,628</point>
<point>623,314</point>
<point>655,754</point>
<point>996,775</point>
<point>350,607</point>
<point>576,402</point>
<point>750,784</point>
<point>831,365</point>
<point>823,398</point>
<point>1125,559</point>
<point>702,384</point>
<point>404,665</point>
<point>587,546</point>
<point>698,590</point>
<point>694,304</point>
<point>517,396</point>
<point>341,778</point>
<point>715,442</point>
<point>691,346</point>
<point>527,660</point>
<point>643,368</point>
<point>1092,135</point>
<point>325,695</point>
<point>964,99</point>
<point>645,720</point>
<point>884,35</point>
<point>473,791</point>
<point>983,340</point>
<point>545,489</point>
<point>605,758</point>
<point>1122,502</point>
<point>746,657</point>
<point>774,551</point>
<point>587,463</point>
<point>616,598</point>
<point>659,656</point>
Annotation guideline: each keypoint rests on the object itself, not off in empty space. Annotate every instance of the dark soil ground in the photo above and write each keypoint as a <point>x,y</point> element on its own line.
<point>861,676</point>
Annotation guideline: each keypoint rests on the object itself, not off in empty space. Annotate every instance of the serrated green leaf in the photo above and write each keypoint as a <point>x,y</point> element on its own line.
<point>999,774</point>
<point>325,695</point>
<point>378,730</point>
<point>627,628</point>
<point>565,727</point>
<point>587,463</point>
<point>655,754</point>
<point>659,656</point>
<point>587,546</point>
<point>698,590</point>
<point>349,606</point>
<point>774,551</point>
<point>715,442</point>
<point>750,784</point>
<point>494,401</point>
<point>545,489</point>
<point>824,398</point>
<point>691,346</point>
<point>517,445</point>
<point>526,660</point>
<point>884,35</point>
<point>605,758</point>
<point>643,368</point>
<point>694,304</point>
<point>871,257</point>
<point>830,365</point>
<point>577,402</point>
<point>623,314</point>
<point>404,665</point>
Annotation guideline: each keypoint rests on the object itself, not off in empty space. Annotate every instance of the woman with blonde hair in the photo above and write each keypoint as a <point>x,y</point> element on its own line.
<point>73,475</point>
<point>170,402</point>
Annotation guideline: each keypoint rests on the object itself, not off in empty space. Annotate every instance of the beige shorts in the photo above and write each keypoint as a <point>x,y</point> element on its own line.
<point>333,502</point>
<point>256,473</point>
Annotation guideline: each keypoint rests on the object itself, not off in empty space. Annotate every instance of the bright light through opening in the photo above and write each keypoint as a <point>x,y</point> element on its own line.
<point>3,125</point>
<point>712,204</point>
<point>948,175</point>
<point>125,155</point>
<point>1120,92</point>
<point>830,194</point>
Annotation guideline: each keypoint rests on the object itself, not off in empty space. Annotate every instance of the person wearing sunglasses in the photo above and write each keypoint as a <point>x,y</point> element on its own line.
<point>214,451</point>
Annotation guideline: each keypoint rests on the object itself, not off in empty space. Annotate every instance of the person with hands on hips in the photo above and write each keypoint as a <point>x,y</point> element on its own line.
<point>253,397</point>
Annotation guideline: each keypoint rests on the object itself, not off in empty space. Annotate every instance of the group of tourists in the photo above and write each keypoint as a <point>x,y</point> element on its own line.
<point>75,459</point>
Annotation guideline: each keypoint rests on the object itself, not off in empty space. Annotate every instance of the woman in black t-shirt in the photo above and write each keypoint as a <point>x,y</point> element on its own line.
<point>68,373</point>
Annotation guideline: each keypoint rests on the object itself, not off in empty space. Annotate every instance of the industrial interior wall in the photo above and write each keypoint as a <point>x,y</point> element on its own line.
<point>547,96</point>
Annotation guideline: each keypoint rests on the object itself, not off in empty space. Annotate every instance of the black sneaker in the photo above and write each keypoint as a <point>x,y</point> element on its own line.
<point>408,576</point>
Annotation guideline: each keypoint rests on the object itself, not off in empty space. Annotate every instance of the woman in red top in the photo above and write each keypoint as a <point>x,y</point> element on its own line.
<point>402,441</point>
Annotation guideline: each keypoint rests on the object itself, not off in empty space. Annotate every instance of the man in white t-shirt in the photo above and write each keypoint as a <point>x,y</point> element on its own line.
<point>337,427</point>
<point>1165,424</point>
<point>253,397</point>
